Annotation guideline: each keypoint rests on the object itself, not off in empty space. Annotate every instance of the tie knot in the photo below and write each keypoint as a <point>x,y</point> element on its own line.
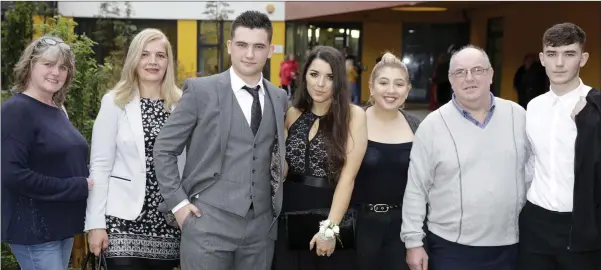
<point>252,90</point>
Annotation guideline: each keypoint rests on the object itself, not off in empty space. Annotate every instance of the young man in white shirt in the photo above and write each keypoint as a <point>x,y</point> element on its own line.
<point>559,226</point>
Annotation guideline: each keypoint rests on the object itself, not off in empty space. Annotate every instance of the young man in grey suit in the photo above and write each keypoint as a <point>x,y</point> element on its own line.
<point>232,125</point>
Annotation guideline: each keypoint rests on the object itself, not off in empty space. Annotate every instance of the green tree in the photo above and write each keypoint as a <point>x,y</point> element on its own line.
<point>17,32</point>
<point>114,36</point>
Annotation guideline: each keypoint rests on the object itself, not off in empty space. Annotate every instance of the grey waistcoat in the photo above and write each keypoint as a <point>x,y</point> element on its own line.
<point>245,173</point>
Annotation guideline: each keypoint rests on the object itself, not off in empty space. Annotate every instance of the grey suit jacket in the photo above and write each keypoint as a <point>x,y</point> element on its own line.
<point>201,124</point>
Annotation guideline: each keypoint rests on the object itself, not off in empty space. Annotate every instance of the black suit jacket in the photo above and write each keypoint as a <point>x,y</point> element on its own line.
<point>585,234</point>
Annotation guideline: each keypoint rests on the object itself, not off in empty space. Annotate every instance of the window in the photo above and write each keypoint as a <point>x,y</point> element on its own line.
<point>494,49</point>
<point>212,47</point>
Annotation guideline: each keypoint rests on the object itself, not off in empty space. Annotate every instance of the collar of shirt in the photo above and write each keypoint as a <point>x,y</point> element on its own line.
<point>238,83</point>
<point>465,112</point>
<point>570,97</point>
<point>468,115</point>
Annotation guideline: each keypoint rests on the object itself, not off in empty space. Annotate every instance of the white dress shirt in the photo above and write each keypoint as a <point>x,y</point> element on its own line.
<point>245,100</point>
<point>552,135</point>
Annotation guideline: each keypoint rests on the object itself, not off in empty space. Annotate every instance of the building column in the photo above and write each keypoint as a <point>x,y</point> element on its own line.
<point>278,39</point>
<point>187,49</point>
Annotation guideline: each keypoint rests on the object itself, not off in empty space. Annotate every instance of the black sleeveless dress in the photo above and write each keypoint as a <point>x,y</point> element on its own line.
<point>308,195</point>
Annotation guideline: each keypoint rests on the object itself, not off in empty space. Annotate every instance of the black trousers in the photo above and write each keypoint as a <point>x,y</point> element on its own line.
<point>379,246</point>
<point>446,255</point>
<point>129,263</point>
<point>544,239</point>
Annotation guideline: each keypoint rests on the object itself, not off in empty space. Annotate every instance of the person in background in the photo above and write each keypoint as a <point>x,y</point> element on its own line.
<point>45,180</point>
<point>122,216</point>
<point>382,178</point>
<point>560,226</point>
<point>325,143</point>
<point>351,77</point>
<point>530,80</point>
<point>288,71</point>
<point>468,166</point>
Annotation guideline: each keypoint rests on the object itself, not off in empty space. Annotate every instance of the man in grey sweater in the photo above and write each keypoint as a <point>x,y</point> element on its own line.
<point>468,167</point>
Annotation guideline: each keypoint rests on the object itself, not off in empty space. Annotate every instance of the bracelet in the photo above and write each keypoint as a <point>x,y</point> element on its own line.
<point>328,230</point>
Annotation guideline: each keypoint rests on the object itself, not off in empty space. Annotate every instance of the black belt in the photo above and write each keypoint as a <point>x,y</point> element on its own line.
<point>379,207</point>
<point>313,181</point>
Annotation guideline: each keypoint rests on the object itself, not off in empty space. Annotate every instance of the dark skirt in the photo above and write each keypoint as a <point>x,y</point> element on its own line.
<point>286,258</point>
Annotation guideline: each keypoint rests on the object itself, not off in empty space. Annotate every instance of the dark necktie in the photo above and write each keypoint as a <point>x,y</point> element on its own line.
<point>255,111</point>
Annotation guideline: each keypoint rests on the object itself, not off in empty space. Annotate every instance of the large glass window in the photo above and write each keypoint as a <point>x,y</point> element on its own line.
<point>426,45</point>
<point>494,49</point>
<point>212,47</point>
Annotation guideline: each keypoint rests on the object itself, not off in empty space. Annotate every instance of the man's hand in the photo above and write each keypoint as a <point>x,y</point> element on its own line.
<point>184,212</point>
<point>98,240</point>
<point>579,106</point>
<point>417,259</point>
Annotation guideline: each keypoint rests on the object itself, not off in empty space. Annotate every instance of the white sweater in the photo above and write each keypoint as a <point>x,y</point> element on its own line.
<point>471,178</point>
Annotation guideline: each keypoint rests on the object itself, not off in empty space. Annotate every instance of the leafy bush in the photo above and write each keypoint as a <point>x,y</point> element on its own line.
<point>17,31</point>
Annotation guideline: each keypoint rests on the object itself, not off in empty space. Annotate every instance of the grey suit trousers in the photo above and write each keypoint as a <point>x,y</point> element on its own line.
<point>219,240</point>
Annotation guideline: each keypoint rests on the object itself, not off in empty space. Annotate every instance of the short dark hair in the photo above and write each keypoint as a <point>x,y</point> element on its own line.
<point>564,34</point>
<point>254,20</point>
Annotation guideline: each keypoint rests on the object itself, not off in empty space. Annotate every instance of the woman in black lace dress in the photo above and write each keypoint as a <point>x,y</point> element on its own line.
<point>122,214</point>
<point>326,141</point>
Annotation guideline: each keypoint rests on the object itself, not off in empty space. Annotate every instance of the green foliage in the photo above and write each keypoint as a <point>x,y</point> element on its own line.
<point>17,32</point>
<point>9,262</point>
<point>114,36</point>
<point>84,97</point>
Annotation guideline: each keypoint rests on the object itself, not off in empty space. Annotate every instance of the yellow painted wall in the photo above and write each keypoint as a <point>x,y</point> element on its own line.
<point>522,34</point>
<point>279,38</point>
<point>187,48</point>
<point>378,38</point>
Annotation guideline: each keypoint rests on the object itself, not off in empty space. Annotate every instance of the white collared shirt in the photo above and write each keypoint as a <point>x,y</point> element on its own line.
<point>552,135</point>
<point>245,99</point>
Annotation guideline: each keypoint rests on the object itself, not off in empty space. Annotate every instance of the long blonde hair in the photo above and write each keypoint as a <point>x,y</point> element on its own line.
<point>124,89</point>
<point>388,60</point>
<point>40,51</point>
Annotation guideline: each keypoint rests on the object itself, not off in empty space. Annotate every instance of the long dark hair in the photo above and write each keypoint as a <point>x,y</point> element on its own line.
<point>335,123</point>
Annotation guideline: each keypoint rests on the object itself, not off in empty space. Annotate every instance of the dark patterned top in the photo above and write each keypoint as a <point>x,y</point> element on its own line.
<point>308,158</point>
<point>149,236</point>
<point>301,159</point>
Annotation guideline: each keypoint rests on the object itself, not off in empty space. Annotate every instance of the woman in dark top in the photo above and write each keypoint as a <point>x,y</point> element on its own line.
<point>326,140</point>
<point>381,181</point>
<point>44,160</point>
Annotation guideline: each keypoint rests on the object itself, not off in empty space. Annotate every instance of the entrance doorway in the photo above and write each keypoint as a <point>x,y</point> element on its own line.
<point>301,37</point>
<point>424,45</point>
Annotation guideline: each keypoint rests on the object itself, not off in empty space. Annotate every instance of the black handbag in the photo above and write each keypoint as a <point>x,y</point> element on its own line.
<point>94,263</point>
<point>300,229</point>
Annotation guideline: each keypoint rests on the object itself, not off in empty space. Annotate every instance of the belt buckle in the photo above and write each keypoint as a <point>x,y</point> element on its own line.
<point>381,208</point>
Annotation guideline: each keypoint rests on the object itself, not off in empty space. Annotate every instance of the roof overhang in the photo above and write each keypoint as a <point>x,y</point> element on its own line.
<point>298,10</point>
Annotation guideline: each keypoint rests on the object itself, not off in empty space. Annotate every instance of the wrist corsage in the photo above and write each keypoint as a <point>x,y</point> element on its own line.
<point>328,231</point>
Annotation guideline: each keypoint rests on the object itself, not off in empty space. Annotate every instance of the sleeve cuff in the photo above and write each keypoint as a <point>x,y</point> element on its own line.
<point>413,243</point>
<point>180,205</point>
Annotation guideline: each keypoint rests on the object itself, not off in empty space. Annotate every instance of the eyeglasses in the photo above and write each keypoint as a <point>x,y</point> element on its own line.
<point>462,73</point>
<point>53,42</point>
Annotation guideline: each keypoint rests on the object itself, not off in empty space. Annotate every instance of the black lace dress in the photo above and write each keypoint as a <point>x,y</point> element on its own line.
<point>149,236</point>
<point>307,191</point>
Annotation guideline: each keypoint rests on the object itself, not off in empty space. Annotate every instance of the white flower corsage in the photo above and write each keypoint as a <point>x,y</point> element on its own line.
<point>328,230</point>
